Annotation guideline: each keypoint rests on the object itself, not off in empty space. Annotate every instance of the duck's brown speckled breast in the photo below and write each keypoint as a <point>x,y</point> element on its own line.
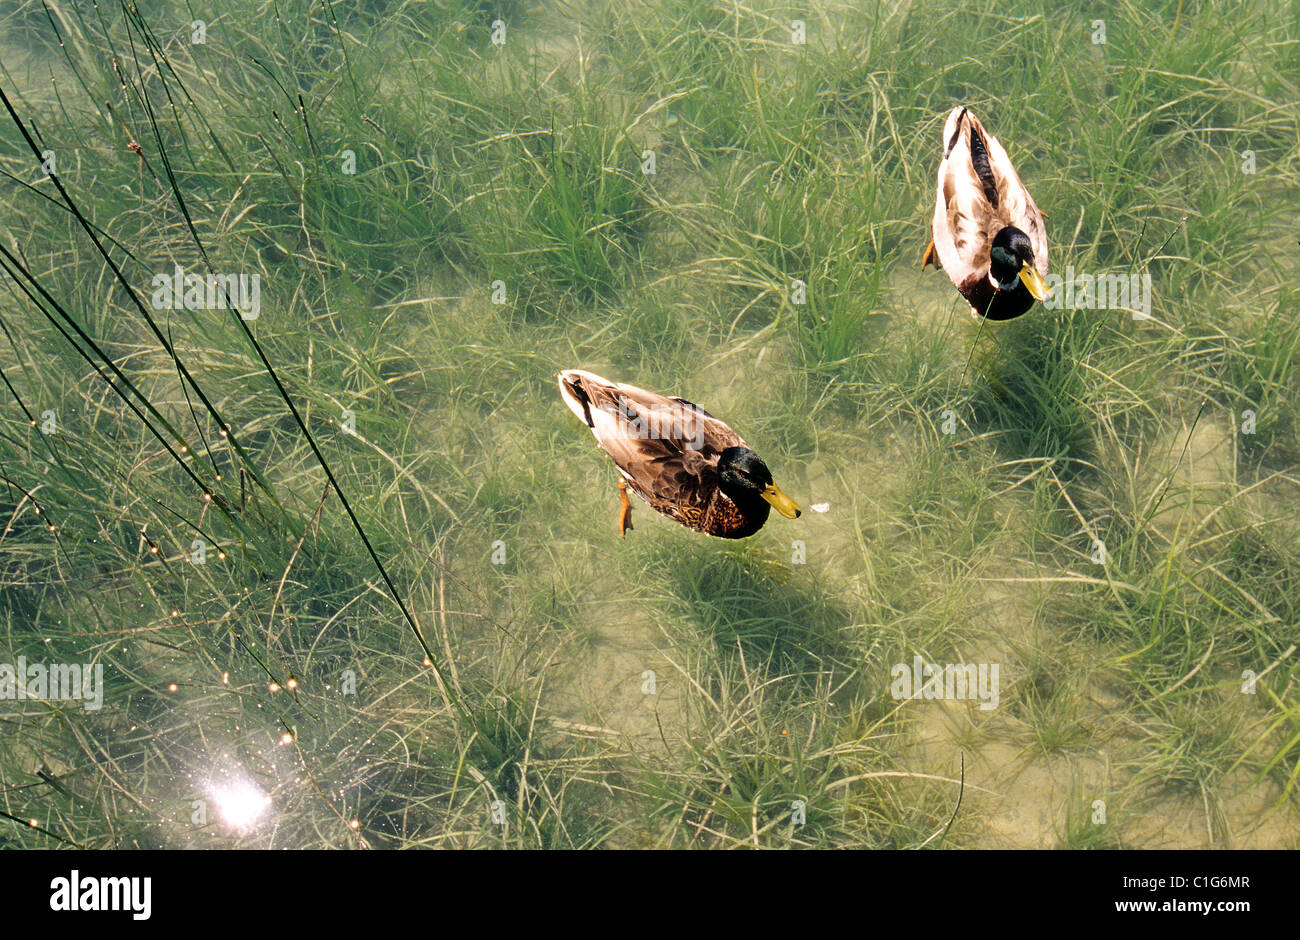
<point>721,517</point>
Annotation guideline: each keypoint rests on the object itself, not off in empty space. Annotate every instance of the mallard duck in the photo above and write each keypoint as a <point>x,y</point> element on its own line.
<point>677,457</point>
<point>988,233</point>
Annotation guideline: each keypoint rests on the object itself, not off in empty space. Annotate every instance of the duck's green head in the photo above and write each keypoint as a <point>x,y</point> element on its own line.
<point>744,477</point>
<point>1011,263</point>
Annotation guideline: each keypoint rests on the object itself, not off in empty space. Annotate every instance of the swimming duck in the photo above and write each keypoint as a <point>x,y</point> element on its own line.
<point>988,232</point>
<point>677,457</point>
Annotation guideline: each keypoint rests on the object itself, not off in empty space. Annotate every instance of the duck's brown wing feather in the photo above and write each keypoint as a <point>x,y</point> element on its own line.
<point>965,219</point>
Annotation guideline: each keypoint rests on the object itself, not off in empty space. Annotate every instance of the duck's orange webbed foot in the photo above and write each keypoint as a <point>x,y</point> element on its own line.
<point>625,509</point>
<point>929,256</point>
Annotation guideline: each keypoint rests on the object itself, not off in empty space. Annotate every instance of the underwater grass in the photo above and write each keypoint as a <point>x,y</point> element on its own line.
<point>354,553</point>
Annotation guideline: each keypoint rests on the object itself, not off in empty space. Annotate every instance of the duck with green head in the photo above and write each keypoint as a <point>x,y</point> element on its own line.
<point>988,234</point>
<point>677,457</point>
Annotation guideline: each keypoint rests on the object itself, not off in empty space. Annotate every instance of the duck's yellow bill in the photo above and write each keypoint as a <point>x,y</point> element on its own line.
<point>780,502</point>
<point>1034,283</point>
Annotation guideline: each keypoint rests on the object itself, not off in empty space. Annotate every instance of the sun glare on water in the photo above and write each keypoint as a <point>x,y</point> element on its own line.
<point>240,803</point>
